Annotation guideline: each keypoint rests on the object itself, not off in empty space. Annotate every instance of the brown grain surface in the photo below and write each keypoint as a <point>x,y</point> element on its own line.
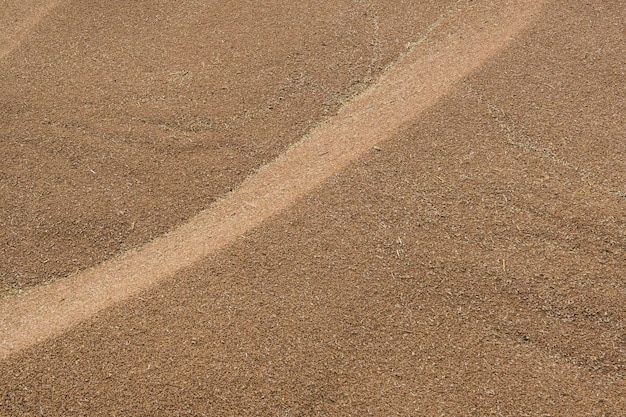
<point>424,74</point>
<point>121,120</point>
<point>472,264</point>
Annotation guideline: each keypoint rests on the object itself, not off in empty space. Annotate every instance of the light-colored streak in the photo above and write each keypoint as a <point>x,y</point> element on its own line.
<point>455,48</point>
<point>18,19</point>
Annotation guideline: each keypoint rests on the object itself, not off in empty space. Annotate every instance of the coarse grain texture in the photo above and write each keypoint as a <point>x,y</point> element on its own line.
<point>565,96</point>
<point>121,120</point>
<point>427,72</point>
<point>382,293</point>
<point>471,264</point>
